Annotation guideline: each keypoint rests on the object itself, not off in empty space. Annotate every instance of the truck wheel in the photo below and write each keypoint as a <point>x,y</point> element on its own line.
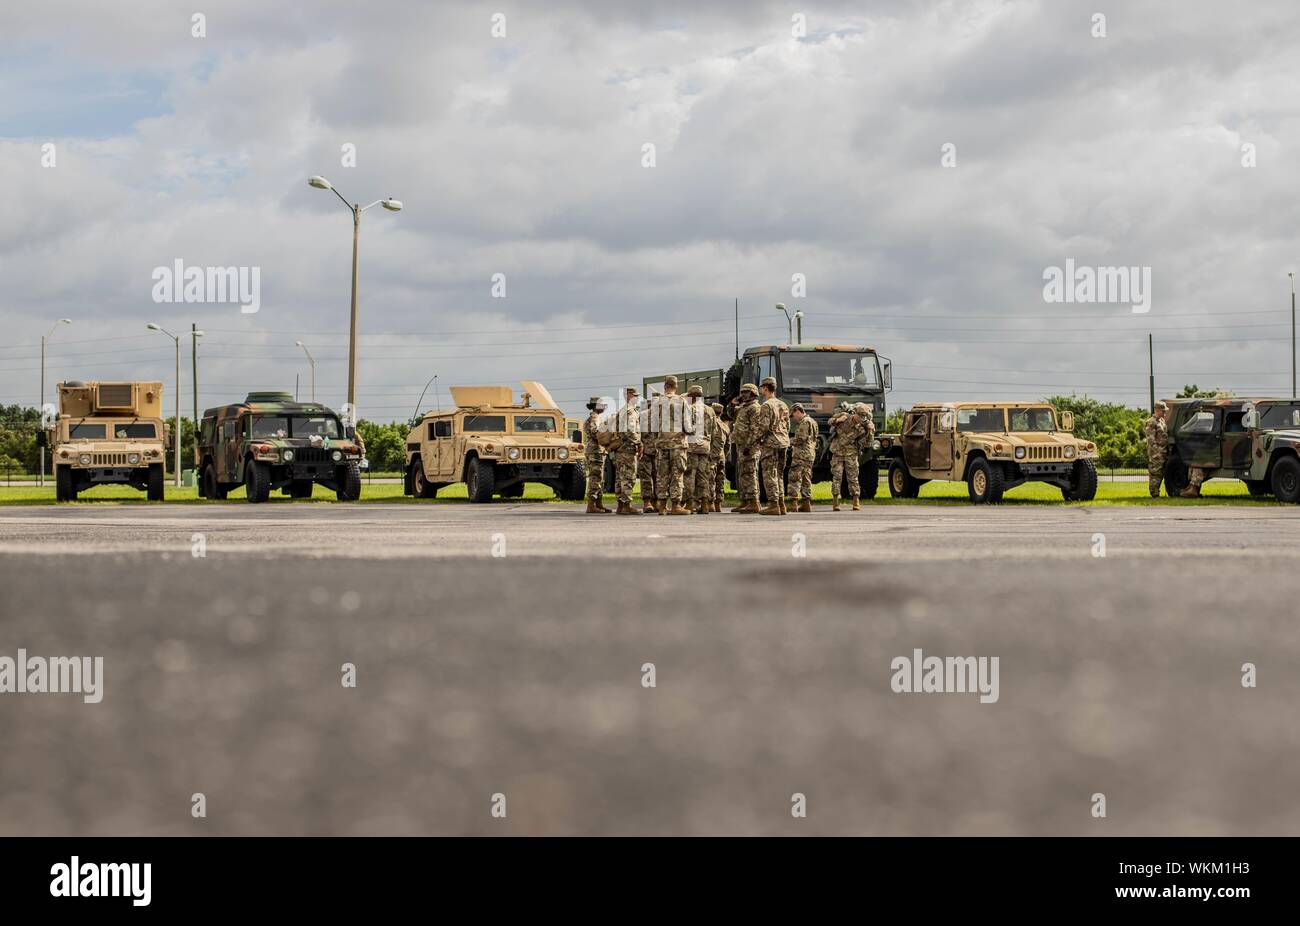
<point>212,488</point>
<point>348,479</point>
<point>64,488</point>
<point>420,486</point>
<point>901,482</point>
<point>1175,477</point>
<point>1083,483</point>
<point>257,481</point>
<point>480,481</point>
<point>573,483</point>
<point>984,482</point>
<point>155,482</point>
<point>1256,487</point>
<point>1286,480</point>
<point>869,478</point>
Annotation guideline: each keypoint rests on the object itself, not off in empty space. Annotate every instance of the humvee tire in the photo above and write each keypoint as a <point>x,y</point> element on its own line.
<point>1175,477</point>
<point>156,482</point>
<point>212,487</point>
<point>1083,482</point>
<point>299,488</point>
<point>1256,487</point>
<point>257,481</point>
<point>869,478</point>
<point>420,486</point>
<point>1286,480</point>
<point>984,482</point>
<point>902,484</point>
<point>480,480</point>
<point>348,478</point>
<point>64,490</point>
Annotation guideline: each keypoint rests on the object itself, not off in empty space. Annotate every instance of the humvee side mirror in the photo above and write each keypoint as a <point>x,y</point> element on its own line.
<point>1250,420</point>
<point>945,421</point>
<point>1067,421</point>
<point>887,374</point>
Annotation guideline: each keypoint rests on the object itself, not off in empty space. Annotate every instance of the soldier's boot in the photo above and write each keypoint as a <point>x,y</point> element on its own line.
<point>772,507</point>
<point>781,503</point>
<point>647,505</point>
<point>661,506</point>
<point>1190,492</point>
<point>676,507</point>
<point>835,503</point>
<point>749,507</point>
<point>626,508</point>
<point>856,505</point>
<point>805,505</point>
<point>593,507</point>
<point>600,503</point>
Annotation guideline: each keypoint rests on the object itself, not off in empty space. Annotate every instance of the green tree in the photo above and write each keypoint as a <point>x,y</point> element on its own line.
<point>385,444</point>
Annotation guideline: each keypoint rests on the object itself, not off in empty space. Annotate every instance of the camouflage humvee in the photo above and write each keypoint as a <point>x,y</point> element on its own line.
<point>1251,439</point>
<point>992,447</point>
<point>108,433</point>
<point>494,446</point>
<point>269,441</point>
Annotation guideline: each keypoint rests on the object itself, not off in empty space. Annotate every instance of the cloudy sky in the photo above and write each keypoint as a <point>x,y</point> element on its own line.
<point>1162,143</point>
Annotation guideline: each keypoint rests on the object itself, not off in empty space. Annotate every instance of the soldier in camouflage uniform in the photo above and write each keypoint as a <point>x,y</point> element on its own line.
<point>670,450</point>
<point>627,452</point>
<point>593,456</point>
<point>645,470</point>
<point>846,436</point>
<point>718,456</point>
<point>1157,435</point>
<point>803,453</point>
<point>699,459</point>
<point>745,438</point>
<point>774,440</point>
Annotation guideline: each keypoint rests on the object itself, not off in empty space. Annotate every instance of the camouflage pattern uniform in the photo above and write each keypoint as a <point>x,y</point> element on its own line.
<point>718,455</point>
<point>1157,434</point>
<point>699,467</point>
<point>593,457</point>
<point>670,448</point>
<point>774,440</point>
<point>745,438</point>
<point>625,456</point>
<point>803,453</point>
<point>846,434</point>
<point>645,470</point>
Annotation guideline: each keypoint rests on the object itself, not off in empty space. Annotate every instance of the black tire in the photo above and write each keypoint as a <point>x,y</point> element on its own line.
<point>1083,482</point>
<point>347,477</point>
<point>901,482</point>
<point>212,488</point>
<point>65,490</point>
<point>155,486</point>
<point>1176,478</point>
<point>301,488</point>
<point>869,478</point>
<point>1286,480</point>
<point>1257,487</point>
<point>984,482</point>
<point>480,480</point>
<point>573,483</point>
<point>257,481</point>
<point>421,487</point>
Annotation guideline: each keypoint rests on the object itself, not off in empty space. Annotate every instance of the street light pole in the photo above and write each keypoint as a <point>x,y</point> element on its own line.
<point>1292,276</point>
<point>176,437</point>
<point>789,325</point>
<point>44,338</point>
<point>392,205</point>
<point>195,334</point>
<point>312,360</point>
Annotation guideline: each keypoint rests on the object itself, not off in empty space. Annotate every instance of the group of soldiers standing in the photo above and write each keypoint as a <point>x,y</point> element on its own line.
<point>678,449</point>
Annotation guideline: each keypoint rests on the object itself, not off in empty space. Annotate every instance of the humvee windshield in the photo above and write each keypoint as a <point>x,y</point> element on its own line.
<point>85,432</point>
<point>491,424</point>
<point>1031,419</point>
<point>841,371</point>
<point>534,423</point>
<point>295,426</point>
<point>980,419</point>
<point>1279,416</point>
<point>129,430</point>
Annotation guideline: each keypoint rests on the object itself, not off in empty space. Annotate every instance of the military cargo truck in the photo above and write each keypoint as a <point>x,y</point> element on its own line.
<point>270,442</point>
<point>820,377</point>
<point>494,446</point>
<point>108,433</point>
<point>992,447</point>
<point>1252,439</point>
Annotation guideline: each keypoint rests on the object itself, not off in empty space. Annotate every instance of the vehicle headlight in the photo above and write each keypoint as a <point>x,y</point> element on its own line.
<point>875,445</point>
<point>562,453</point>
<point>513,453</point>
<point>1020,453</point>
<point>84,459</point>
<point>1069,451</point>
<point>288,456</point>
<point>337,455</point>
<point>133,458</point>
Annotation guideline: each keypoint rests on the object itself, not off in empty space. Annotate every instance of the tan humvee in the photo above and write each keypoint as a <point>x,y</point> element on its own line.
<point>494,446</point>
<point>992,447</point>
<point>108,433</point>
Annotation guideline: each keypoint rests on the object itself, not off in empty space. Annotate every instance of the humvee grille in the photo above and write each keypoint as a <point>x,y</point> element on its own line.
<point>108,459</point>
<point>115,395</point>
<point>1044,452</point>
<point>536,454</point>
<point>311,455</point>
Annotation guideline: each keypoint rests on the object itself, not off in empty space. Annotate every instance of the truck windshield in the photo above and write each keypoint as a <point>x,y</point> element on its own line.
<point>980,419</point>
<point>1279,416</point>
<point>295,426</point>
<point>485,424</point>
<point>1031,419</point>
<point>134,430</point>
<point>532,423</point>
<point>840,371</point>
<point>85,432</point>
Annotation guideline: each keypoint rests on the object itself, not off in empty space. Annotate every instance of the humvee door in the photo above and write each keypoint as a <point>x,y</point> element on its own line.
<point>438,444</point>
<point>1199,438</point>
<point>1236,439</point>
<point>916,440</point>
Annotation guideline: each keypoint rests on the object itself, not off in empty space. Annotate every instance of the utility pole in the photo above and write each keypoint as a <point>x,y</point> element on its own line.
<point>798,326</point>
<point>1292,276</point>
<point>1151,368</point>
<point>737,327</point>
<point>195,334</point>
<point>61,321</point>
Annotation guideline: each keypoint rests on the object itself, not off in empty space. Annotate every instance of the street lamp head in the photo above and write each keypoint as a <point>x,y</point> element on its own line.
<point>152,327</point>
<point>197,334</point>
<point>65,321</point>
<point>298,343</point>
<point>780,306</point>
<point>319,183</point>
<point>392,205</point>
